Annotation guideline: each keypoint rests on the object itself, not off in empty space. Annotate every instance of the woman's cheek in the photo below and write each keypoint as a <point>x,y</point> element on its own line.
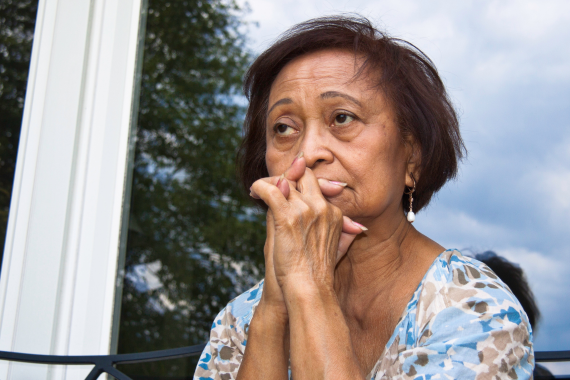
<point>283,144</point>
<point>277,161</point>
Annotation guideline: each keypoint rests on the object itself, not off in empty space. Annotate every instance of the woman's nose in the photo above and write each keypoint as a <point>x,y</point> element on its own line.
<point>315,147</point>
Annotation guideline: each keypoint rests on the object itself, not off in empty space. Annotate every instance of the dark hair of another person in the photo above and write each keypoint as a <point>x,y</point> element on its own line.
<point>513,275</point>
<point>407,77</point>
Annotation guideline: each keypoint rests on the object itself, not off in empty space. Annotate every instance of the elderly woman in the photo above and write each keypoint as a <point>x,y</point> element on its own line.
<point>349,133</point>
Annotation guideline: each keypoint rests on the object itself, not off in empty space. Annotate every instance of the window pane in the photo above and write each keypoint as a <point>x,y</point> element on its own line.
<point>17,21</point>
<point>194,239</point>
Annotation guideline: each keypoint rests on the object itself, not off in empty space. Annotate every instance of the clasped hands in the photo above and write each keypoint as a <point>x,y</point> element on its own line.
<point>306,235</point>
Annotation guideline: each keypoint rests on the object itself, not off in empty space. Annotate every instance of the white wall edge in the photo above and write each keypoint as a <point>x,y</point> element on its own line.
<point>58,281</point>
<point>12,265</point>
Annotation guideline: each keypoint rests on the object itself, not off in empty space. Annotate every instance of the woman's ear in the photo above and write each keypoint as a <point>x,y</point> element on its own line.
<point>413,164</point>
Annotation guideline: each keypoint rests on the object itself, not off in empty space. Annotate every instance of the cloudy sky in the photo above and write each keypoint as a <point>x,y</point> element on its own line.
<point>506,65</point>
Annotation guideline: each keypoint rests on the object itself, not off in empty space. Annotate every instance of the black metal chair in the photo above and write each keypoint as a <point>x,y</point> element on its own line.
<point>106,363</point>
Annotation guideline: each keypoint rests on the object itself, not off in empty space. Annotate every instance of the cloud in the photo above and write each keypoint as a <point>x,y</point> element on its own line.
<point>455,228</point>
<point>548,279</point>
<point>546,275</point>
<point>554,180</point>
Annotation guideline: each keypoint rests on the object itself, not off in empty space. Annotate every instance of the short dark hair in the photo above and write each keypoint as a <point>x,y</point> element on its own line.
<point>406,75</point>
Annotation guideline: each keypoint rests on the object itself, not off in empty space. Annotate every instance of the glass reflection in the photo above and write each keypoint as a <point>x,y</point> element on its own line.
<point>17,22</point>
<point>194,239</point>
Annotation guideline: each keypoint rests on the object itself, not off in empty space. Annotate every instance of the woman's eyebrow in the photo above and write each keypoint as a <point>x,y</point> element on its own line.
<point>334,94</point>
<point>279,102</point>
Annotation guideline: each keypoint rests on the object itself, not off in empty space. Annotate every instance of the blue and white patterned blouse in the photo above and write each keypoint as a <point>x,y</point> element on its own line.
<point>462,322</point>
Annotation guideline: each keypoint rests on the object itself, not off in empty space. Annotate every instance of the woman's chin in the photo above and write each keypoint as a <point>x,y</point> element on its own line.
<point>345,204</point>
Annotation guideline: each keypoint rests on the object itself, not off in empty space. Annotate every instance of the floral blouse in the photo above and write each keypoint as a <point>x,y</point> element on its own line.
<point>462,322</point>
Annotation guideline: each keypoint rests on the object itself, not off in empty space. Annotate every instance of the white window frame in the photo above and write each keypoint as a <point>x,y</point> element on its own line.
<point>60,268</point>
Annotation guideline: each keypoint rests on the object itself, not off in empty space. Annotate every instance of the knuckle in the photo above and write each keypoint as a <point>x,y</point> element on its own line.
<point>294,215</point>
<point>284,208</point>
<point>304,210</point>
<point>337,213</point>
<point>321,207</point>
<point>273,191</point>
<point>300,213</point>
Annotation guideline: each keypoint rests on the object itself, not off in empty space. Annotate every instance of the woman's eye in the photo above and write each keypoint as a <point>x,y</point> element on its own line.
<point>284,130</point>
<point>342,119</point>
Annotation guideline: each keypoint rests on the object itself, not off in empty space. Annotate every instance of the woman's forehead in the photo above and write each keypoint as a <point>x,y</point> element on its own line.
<point>322,68</point>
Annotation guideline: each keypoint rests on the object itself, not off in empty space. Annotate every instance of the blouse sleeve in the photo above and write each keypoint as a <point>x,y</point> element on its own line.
<point>223,353</point>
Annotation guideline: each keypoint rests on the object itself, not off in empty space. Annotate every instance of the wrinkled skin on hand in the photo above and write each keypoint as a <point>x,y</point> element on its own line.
<point>309,234</point>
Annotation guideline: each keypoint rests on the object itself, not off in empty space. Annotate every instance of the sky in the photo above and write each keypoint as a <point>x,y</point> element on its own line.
<point>506,65</point>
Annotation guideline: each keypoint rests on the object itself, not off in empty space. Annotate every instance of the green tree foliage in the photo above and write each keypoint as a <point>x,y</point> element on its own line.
<point>17,21</point>
<point>189,218</point>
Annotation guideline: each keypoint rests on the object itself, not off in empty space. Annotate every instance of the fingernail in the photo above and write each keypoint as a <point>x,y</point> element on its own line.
<point>280,179</point>
<point>252,194</point>
<point>343,184</point>
<point>296,158</point>
<point>360,226</point>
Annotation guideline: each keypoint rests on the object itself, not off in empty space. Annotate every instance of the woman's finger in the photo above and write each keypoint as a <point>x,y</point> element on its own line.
<point>297,168</point>
<point>343,244</point>
<point>351,227</point>
<point>292,175</point>
<point>309,185</point>
<point>350,230</point>
<point>331,188</point>
<point>295,171</point>
<point>328,188</point>
<point>270,194</point>
<point>276,181</point>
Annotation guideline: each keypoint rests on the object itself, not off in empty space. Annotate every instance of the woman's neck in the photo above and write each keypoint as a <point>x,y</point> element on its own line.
<point>383,265</point>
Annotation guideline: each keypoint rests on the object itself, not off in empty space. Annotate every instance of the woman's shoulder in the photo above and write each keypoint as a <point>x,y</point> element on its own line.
<point>459,290</point>
<point>458,277</point>
<point>462,322</point>
<point>225,348</point>
<point>239,311</point>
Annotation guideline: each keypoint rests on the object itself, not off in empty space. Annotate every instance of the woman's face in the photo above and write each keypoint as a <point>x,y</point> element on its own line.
<point>344,127</point>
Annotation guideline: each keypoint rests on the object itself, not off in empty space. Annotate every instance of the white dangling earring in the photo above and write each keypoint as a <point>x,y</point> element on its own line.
<point>411,216</point>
